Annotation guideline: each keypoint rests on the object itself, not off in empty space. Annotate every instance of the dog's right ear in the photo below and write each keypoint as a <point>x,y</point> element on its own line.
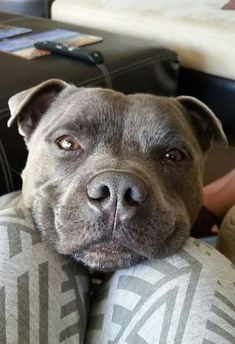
<point>205,124</point>
<point>28,107</point>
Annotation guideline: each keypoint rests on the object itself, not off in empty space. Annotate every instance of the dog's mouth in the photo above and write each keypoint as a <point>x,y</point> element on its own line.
<point>108,247</point>
<point>101,246</point>
<point>107,255</point>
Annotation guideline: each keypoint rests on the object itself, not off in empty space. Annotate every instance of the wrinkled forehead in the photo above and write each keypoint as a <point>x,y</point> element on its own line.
<point>111,116</point>
<point>104,106</point>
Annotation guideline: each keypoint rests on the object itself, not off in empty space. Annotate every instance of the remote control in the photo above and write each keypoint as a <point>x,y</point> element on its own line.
<point>94,57</point>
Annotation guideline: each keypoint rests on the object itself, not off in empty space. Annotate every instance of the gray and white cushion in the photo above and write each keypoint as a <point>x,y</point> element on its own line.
<point>185,298</point>
<point>43,297</point>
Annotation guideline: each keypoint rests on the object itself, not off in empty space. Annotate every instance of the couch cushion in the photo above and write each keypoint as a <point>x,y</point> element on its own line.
<point>202,32</point>
<point>44,297</point>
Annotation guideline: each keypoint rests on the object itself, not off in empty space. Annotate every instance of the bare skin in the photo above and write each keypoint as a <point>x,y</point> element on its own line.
<point>219,196</point>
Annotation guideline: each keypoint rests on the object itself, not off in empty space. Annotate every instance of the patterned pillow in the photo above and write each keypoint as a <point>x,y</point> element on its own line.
<point>188,298</point>
<point>43,298</point>
<point>185,298</point>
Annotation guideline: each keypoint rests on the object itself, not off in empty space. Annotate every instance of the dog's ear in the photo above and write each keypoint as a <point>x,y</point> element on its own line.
<point>28,107</point>
<point>205,124</point>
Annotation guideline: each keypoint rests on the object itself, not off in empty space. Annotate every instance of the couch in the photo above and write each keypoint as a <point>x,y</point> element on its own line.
<point>203,35</point>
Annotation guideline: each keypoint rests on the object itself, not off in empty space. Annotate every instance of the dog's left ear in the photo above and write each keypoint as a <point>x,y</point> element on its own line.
<point>28,107</point>
<point>206,125</point>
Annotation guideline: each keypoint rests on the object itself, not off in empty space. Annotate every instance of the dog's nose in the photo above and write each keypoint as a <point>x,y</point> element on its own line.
<point>118,194</point>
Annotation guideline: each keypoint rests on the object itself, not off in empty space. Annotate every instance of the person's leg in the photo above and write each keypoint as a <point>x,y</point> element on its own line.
<point>219,196</point>
<point>220,183</point>
<point>43,299</point>
<point>186,298</point>
<point>226,237</point>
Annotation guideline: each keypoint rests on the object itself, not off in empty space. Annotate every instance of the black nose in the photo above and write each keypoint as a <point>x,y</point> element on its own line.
<point>117,193</point>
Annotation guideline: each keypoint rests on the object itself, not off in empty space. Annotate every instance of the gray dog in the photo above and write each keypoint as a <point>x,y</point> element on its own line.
<point>112,179</point>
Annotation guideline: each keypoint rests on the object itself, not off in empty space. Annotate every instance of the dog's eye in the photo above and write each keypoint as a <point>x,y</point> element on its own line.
<point>174,155</point>
<point>68,143</point>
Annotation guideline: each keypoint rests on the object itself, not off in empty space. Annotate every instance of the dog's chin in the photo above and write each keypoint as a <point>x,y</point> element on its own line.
<point>107,256</point>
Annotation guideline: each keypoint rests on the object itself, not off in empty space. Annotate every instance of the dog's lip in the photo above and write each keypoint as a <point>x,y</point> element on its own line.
<point>107,256</point>
<point>109,246</point>
<point>107,251</point>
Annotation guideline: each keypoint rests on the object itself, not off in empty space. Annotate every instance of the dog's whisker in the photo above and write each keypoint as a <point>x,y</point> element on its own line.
<point>166,249</point>
<point>13,169</point>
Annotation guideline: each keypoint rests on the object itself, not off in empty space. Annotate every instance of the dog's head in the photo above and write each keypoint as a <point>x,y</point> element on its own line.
<point>113,179</point>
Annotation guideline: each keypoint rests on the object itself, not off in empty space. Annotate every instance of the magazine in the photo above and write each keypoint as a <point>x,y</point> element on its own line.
<point>24,46</point>
<point>7,31</point>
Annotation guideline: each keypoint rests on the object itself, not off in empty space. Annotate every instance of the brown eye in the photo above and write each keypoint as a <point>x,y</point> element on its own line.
<point>68,143</point>
<point>174,155</point>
